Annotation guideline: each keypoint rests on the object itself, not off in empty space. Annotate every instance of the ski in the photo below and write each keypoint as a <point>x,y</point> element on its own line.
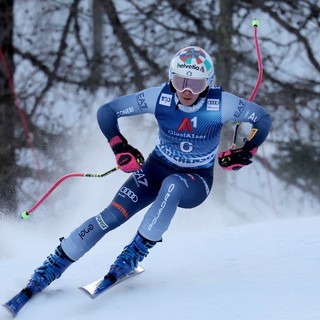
<point>95,288</point>
<point>15,304</point>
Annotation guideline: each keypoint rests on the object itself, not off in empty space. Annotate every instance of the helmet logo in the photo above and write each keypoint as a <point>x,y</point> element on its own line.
<point>194,59</point>
<point>192,62</point>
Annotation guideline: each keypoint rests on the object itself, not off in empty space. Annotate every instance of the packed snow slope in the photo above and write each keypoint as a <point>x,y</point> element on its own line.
<point>258,271</point>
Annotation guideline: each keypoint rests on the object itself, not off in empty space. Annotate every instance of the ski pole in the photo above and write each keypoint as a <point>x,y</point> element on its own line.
<point>26,214</point>
<point>255,24</point>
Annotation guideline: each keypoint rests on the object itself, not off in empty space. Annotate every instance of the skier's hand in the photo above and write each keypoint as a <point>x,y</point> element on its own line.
<point>128,158</point>
<point>235,159</point>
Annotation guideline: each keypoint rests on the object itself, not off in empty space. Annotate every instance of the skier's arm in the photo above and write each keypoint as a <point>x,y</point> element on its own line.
<point>128,158</point>
<point>129,105</point>
<point>241,110</point>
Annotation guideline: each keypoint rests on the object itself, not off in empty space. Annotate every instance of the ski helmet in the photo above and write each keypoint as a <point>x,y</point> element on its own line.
<point>191,68</point>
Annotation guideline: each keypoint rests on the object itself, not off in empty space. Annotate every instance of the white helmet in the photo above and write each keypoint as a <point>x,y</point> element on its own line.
<point>192,63</point>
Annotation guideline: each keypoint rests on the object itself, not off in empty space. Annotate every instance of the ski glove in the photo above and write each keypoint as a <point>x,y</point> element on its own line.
<point>235,159</point>
<point>128,158</point>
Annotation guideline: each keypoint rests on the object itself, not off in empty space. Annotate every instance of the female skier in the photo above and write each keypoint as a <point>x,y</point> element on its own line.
<point>190,113</point>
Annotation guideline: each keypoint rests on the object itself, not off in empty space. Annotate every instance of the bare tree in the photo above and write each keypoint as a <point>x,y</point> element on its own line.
<point>291,89</point>
<point>9,118</point>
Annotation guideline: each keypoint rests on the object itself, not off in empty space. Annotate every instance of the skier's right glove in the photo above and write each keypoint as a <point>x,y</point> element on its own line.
<point>128,158</point>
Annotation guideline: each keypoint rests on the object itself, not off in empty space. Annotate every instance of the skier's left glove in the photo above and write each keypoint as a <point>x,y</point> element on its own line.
<point>235,159</point>
<point>128,158</point>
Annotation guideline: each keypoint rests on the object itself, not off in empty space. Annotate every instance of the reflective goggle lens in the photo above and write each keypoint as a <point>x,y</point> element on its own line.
<point>181,84</point>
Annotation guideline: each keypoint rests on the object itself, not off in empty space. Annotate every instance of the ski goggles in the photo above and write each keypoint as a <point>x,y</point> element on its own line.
<point>181,84</point>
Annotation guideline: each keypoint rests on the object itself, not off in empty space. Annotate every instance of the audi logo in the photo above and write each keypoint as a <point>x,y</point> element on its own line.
<point>129,193</point>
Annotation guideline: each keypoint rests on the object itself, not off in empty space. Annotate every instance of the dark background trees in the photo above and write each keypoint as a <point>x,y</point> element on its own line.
<point>9,119</point>
<point>60,54</point>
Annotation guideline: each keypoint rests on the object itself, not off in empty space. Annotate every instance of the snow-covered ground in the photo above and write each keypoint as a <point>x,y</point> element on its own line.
<point>259,271</point>
<point>241,260</point>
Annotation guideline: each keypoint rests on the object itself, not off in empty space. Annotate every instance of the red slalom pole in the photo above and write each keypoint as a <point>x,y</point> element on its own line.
<point>255,24</point>
<point>26,214</point>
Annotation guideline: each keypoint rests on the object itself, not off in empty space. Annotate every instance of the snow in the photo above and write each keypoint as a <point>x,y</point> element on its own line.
<point>258,271</point>
<point>237,261</point>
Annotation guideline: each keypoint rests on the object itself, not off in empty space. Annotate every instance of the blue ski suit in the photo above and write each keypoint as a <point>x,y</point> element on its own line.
<point>179,171</point>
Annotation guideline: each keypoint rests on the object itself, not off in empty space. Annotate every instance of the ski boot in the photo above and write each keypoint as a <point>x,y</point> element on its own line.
<point>52,268</point>
<point>129,258</point>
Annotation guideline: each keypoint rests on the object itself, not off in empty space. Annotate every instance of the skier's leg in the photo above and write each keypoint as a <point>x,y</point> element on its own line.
<point>130,198</point>
<point>184,190</point>
<point>129,258</point>
<point>178,190</point>
<point>125,204</point>
<point>51,269</point>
